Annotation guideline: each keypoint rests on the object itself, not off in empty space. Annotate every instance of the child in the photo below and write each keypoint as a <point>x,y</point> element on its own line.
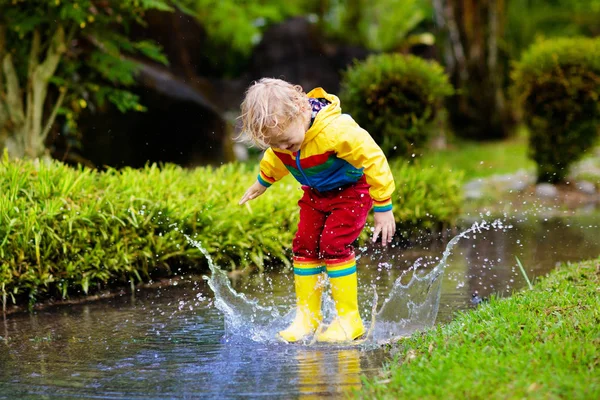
<point>343,175</point>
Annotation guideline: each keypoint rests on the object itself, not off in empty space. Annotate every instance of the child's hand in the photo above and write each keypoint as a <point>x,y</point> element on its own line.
<point>253,192</point>
<point>386,225</point>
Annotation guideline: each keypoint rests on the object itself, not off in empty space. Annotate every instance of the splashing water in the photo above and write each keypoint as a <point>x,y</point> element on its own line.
<point>406,309</point>
<point>243,317</point>
<point>414,306</point>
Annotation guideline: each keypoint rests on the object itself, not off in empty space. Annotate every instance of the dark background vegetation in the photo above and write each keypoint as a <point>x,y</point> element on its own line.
<point>211,50</point>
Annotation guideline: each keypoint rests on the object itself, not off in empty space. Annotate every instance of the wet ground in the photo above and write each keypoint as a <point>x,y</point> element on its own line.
<point>171,342</point>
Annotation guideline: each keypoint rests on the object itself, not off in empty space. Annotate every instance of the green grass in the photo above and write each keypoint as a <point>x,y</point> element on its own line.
<point>71,231</point>
<point>479,160</point>
<point>542,343</point>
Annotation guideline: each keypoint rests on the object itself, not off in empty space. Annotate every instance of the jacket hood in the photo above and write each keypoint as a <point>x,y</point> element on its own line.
<point>326,115</point>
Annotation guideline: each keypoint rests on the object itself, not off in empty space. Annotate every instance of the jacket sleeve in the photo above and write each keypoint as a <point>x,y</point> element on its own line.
<point>271,169</point>
<point>357,147</point>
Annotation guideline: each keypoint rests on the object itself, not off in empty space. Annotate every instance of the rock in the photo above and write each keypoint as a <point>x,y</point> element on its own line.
<point>294,50</point>
<point>518,182</point>
<point>586,187</point>
<point>476,299</point>
<point>474,189</point>
<point>546,190</point>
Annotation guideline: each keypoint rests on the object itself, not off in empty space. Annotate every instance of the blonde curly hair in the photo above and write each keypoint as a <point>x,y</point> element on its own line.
<point>270,104</point>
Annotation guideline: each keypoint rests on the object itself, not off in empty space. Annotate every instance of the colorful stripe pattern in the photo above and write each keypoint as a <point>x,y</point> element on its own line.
<point>336,152</point>
<point>265,180</point>
<point>321,171</point>
<point>381,206</point>
<point>341,267</point>
<point>307,266</point>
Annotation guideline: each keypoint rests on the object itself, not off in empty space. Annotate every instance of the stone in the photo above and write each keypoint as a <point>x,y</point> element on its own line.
<point>546,190</point>
<point>474,189</point>
<point>586,187</point>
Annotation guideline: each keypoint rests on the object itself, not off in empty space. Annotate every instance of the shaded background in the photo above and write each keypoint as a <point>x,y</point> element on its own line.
<point>216,50</point>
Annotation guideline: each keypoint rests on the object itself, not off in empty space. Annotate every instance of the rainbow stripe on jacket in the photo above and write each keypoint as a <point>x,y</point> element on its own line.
<point>335,152</point>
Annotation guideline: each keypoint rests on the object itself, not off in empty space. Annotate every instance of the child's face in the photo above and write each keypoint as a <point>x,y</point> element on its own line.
<point>291,137</point>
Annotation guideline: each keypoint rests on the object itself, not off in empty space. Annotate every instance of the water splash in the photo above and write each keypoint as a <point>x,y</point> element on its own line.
<point>406,309</point>
<point>414,306</point>
<point>243,317</point>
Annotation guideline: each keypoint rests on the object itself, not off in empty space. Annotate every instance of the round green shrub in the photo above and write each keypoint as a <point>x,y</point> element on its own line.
<point>557,83</point>
<point>395,97</point>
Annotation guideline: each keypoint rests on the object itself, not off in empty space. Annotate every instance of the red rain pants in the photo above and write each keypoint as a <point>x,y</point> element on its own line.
<point>331,221</point>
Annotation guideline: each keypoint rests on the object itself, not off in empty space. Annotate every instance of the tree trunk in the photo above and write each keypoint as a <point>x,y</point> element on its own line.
<point>475,27</point>
<point>3,111</point>
<point>23,130</point>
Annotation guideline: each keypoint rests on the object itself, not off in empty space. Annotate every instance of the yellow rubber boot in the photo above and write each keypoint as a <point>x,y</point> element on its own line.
<point>308,281</point>
<point>347,325</point>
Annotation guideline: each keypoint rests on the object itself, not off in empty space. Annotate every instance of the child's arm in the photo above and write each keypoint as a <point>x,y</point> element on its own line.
<point>271,170</point>
<point>356,146</point>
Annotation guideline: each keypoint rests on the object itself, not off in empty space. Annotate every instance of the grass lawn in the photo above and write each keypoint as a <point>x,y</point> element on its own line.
<point>479,160</point>
<point>540,343</point>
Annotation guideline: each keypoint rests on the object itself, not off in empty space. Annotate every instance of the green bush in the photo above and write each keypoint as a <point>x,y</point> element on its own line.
<point>66,231</point>
<point>396,98</point>
<point>426,198</point>
<point>557,82</point>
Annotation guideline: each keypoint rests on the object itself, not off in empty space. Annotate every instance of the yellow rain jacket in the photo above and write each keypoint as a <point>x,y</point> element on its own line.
<point>335,152</point>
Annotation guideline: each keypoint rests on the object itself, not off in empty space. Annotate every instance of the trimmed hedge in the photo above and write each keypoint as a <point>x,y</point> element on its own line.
<point>65,231</point>
<point>558,84</point>
<point>396,98</point>
<point>426,198</point>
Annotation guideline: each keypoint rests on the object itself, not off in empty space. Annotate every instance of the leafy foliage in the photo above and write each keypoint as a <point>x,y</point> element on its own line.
<point>528,21</point>
<point>381,25</point>
<point>68,230</point>
<point>558,84</point>
<point>96,63</point>
<point>426,199</point>
<point>65,231</point>
<point>395,98</point>
<point>240,24</point>
<point>235,27</point>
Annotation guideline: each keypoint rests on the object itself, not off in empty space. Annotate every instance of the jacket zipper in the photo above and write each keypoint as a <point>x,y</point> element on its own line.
<point>300,168</point>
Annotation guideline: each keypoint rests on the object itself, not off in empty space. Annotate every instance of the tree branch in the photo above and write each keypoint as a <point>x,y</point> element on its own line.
<point>41,75</point>
<point>59,101</point>
<point>496,10</point>
<point>492,59</point>
<point>54,54</point>
<point>459,52</point>
<point>3,115</point>
<point>32,64</point>
<point>52,116</point>
<point>14,102</point>
<point>34,53</point>
<point>440,20</point>
<point>2,51</point>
